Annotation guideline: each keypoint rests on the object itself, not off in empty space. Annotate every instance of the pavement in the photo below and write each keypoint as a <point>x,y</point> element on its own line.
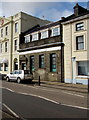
<point>64,86</point>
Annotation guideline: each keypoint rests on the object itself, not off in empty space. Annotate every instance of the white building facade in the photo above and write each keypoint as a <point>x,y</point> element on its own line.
<point>76,50</point>
<point>10,29</point>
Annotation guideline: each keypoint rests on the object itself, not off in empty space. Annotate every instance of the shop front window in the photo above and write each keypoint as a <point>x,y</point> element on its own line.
<point>32,63</point>
<point>53,62</point>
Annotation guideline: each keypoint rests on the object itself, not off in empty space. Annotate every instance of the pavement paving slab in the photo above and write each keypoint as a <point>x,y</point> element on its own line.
<point>65,86</point>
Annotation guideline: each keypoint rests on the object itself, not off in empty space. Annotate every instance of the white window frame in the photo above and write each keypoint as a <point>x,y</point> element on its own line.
<point>34,36</point>
<point>79,28</point>
<point>53,33</point>
<point>6,30</point>
<point>0,47</point>
<point>15,45</point>
<point>16,27</point>
<point>5,66</point>
<point>27,38</point>
<point>2,32</point>
<point>77,69</point>
<point>6,46</point>
<point>1,67</point>
<point>43,36</point>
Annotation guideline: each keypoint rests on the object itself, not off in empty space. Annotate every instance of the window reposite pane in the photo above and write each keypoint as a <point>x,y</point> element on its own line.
<point>1,32</point>
<point>6,30</point>
<point>83,68</point>
<point>53,63</point>
<point>32,63</point>
<point>6,47</point>
<point>34,37</point>
<point>80,26</point>
<point>1,67</point>
<point>16,27</point>
<point>44,34</point>
<point>79,42</point>
<point>55,31</point>
<point>0,48</point>
<point>6,67</point>
<point>41,61</point>
<point>15,44</point>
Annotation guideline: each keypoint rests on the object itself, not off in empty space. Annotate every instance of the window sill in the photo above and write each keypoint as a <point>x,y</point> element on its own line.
<point>80,31</point>
<point>80,76</point>
<point>80,50</point>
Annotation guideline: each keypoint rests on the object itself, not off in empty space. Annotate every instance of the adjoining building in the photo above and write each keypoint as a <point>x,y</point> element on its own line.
<point>76,50</point>
<point>10,29</point>
<point>41,52</point>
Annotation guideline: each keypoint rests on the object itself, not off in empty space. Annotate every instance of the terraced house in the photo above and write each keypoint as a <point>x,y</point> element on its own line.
<point>58,51</point>
<point>41,51</point>
<point>10,29</point>
<point>76,50</point>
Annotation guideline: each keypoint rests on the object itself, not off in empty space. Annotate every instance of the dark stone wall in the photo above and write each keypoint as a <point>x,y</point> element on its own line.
<point>40,42</point>
<point>45,73</point>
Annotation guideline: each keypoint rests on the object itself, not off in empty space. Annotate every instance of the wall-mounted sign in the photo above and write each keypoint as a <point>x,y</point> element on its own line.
<point>1,21</point>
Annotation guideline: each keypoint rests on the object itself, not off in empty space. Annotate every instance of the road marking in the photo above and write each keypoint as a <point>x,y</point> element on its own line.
<point>76,106</point>
<point>73,94</point>
<point>48,99</point>
<point>39,97</point>
<point>11,111</point>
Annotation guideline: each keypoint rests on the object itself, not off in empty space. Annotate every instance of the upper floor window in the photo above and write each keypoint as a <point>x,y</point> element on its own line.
<point>55,31</point>
<point>16,27</point>
<point>79,42</point>
<point>6,47</point>
<point>79,26</point>
<point>15,48</point>
<point>1,48</point>
<point>1,32</point>
<point>35,37</point>
<point>53,62</point>
<point>41,61</point>
<point>44,34</point>
<point>6,30</point>
<point>27,39</point>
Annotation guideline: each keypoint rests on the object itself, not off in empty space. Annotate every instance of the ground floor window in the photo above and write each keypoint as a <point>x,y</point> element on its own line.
<point>41,61</point>
<point>6,67</point>
<point>15,64</point>
<point>23,66</point>
<point>1,67</point>
<point>53,62</point>
<point>32,63</point>
<point>83,68</point>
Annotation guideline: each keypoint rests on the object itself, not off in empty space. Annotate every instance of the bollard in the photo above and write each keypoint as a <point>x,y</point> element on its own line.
<point>39,81</point>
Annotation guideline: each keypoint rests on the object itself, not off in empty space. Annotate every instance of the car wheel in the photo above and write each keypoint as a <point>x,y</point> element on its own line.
<point>18,80</point>
<point>7,79</point>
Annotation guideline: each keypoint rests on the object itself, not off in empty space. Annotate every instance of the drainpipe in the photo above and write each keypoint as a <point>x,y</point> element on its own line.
<point>11,47</point>
<point>62,55</point>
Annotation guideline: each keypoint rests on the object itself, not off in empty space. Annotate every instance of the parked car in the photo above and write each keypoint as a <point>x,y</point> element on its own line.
<point>19,75</point>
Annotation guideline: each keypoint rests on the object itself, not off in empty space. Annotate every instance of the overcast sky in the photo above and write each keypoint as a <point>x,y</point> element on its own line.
<point>52,11</point>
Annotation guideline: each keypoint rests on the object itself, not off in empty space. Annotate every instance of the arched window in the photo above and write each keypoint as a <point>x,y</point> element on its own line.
<point>15,64</point>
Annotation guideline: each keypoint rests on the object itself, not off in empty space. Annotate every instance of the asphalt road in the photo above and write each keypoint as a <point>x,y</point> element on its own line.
<point>26,106</point>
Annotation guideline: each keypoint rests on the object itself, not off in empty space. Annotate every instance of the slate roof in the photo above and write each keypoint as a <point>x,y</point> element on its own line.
<point>77,9</point>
